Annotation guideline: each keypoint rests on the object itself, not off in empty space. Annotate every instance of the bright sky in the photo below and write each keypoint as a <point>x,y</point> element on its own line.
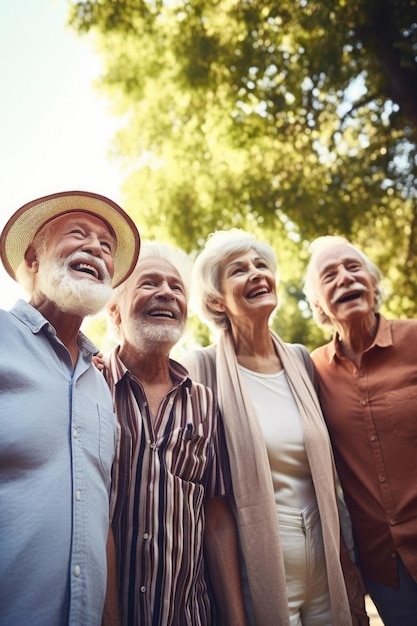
<point>55,128</point>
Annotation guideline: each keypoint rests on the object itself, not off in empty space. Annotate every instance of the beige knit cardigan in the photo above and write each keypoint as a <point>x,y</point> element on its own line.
<point>252,482</point>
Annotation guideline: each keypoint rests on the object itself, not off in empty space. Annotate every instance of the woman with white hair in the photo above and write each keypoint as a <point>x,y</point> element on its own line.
<point>281,461</point>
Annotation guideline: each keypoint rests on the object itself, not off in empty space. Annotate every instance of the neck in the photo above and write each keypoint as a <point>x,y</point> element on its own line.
<point>150,365</point>
<point>356,337</point>
<point>151,369</point>
<point>254,347</point>
<point>67,325</point>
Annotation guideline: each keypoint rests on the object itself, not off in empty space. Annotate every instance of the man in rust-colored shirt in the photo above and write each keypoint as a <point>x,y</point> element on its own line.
<point>368,390</point>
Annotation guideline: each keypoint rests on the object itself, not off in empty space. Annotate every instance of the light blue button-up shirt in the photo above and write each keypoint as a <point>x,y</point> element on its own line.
<point>57,443</point>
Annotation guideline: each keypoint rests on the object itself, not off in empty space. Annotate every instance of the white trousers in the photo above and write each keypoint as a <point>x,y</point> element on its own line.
<point>305,566</point>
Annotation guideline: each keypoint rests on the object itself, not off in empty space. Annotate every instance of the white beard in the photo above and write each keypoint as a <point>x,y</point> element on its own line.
<point>140,332</point>
<point>80,297</point>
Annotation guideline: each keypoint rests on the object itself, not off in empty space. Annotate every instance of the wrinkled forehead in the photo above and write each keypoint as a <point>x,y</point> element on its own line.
<point>81,219</point>
<point>157,266</point>
<point>333,256</point>
<point>238,258</point>
<point>249,253</point>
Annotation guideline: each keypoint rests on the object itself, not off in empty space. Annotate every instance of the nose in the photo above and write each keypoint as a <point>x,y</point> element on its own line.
<point>165,291</point>
<point>92,245</point>
<point>255,272</point>
<point>344,276</point>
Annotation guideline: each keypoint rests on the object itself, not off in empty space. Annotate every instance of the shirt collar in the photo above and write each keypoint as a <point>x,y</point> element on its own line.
<point>34,320</point>
<point>178,372</point>
<point>29,316</point>
<point>383,339</point>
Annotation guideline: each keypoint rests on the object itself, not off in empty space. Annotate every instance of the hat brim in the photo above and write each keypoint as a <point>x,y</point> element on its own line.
<point>22,227</point>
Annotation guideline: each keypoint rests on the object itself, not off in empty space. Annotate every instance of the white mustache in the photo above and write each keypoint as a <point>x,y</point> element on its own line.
<point>167,306</point>
<point>84,257</point>
<point>341,293</point>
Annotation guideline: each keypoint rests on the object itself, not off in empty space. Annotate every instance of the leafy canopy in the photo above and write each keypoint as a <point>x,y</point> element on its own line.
<point>289,118</point>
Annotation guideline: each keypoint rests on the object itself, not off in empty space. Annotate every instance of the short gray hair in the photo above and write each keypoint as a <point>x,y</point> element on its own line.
<point>206,271</point>
<point>158,250</point>
<point>24,277</point>
<point>316,247</point>
<point>154,250</point>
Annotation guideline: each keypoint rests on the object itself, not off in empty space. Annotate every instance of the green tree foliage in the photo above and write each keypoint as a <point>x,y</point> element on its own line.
<point>289,118</point>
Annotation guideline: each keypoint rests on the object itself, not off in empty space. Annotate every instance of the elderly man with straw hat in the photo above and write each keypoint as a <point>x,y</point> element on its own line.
<point>57,426</point>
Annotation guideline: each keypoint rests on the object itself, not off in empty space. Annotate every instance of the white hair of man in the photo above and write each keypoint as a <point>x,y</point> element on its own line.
<point>24,276</point>
<point>310,281</point>
<point>156,250</point>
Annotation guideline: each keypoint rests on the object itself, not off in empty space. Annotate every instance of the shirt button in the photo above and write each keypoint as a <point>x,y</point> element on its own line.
<point>75,433</point>
<point>392,521</point>
<point>153,445</point>
<point>382,479</point>
<point>78,495</point>
<point>143,589</point>
<point>372,437</point>
<point>145,536</point>
<point>77,570</point>
<point>364,403</point>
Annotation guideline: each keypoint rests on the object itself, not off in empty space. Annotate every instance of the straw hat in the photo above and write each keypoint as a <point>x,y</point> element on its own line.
<point>22,227</point>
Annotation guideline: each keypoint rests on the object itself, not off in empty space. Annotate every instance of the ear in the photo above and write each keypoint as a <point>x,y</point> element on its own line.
<point>318,307</point>
<point>31,259</point>
<point>375,288</point>
<point>216,305</point>
<point>114,313</point>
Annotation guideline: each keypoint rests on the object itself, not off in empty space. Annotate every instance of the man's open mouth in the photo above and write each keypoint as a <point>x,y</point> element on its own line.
<point>350,296</point>
<point>162,313</point>
<point>87,268</point>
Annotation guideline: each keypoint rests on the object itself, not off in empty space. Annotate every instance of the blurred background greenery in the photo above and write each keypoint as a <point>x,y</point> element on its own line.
<point>288,118</point>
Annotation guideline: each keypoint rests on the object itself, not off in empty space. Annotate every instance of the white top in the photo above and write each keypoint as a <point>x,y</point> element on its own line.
<point>279,419</point>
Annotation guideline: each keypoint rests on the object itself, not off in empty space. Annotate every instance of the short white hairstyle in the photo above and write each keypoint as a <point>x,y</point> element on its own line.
<point>310,283</point>
<point>158,250</point>
<point>154,250</point>
<point>206,277</point>
<point>24,277</point>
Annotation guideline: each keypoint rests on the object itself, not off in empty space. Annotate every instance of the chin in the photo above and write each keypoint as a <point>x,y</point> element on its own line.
<point>77,297</point>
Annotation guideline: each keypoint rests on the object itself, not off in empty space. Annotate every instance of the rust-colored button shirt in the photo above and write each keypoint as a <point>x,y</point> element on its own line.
<point>371,413</point>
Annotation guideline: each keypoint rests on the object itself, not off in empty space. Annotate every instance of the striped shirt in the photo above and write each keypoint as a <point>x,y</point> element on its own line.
<point>163,472</point>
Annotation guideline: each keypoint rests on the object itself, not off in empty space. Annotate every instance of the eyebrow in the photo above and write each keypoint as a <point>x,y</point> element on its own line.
<point>343,260</point>
<point>240,262</point>
<point>158,275</point>
<point>103,230</point>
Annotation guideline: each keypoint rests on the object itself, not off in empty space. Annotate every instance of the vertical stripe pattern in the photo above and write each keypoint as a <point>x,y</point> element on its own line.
<point>163,472</point>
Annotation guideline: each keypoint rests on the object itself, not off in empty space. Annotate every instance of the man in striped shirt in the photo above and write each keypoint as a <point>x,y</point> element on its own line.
<point>175,535</point>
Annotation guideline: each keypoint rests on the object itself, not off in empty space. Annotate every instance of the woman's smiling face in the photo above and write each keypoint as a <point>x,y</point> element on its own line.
<point>247,284</point>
